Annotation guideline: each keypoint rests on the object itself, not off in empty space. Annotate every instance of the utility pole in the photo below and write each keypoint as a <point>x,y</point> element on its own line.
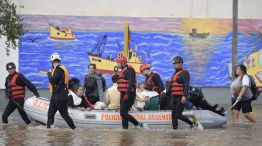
<point>234,38</point>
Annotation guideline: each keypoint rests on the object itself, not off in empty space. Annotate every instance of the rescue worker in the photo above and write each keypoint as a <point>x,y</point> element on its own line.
<point>15,90</point>
<point>154,77</point>
<point>58,78</point>
<point>179,92</point>
<point>127,89</point>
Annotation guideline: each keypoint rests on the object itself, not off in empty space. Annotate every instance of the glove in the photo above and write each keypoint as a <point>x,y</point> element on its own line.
<point>125,97</point>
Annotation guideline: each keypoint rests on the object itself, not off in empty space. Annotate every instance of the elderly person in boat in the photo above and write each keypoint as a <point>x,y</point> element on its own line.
<point>150,97</point>
<point>76,98</point>
<point>72,82</point>
<point>140,100</point>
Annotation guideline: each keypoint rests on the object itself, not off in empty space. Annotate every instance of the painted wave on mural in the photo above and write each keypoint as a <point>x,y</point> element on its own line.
<point>206,59</point>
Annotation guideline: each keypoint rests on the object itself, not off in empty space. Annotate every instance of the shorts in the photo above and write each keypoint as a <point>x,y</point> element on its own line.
<point>244,105</point>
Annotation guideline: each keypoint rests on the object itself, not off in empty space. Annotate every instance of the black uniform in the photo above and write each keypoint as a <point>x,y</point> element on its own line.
<point>17,103</point>
<point>59,98</point>
<point>177,106</point>
<point>126,104</point>
<point>165,102</point>
<point>156,79</point>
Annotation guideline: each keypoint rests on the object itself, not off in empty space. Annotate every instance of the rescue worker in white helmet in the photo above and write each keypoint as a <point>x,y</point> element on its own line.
<point>58,78</point>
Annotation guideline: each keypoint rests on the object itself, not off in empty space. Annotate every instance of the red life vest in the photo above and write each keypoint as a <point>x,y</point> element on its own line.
<point>15,91</point>
<point>156,88</point>
<point>176,88</point>
<point>123,83</point>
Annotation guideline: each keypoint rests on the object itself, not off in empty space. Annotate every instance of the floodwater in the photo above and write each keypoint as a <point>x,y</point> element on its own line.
<point>242,134</point>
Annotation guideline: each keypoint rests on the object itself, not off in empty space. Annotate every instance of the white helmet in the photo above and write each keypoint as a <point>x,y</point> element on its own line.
<point>55,56</point>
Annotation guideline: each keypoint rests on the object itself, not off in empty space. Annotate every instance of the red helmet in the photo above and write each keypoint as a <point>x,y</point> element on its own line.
<point>121,59</point>
<point>144,66</point>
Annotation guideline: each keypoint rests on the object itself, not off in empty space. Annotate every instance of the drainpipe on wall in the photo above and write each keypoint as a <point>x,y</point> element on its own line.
<point>234,38</point>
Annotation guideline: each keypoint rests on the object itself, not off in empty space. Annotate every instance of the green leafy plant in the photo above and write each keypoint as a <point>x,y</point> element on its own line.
<point>10,25</point>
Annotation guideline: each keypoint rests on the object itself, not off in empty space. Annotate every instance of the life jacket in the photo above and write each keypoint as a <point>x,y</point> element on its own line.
<point>123,83</point>
<point>15,91</point>
<point>66,76</point>
<point>177,88</point>
<point>156,88</point>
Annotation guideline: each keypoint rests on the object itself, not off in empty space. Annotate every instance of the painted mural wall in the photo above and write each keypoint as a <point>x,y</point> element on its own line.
<point>205,45</point>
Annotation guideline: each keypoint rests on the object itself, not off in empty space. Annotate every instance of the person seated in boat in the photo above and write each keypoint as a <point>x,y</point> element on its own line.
<point>151,98</point>
<point>199,101</point>
<point>76,98</point>
<point>165,100</point>
<point>72,82</point>
<point>140,100</point>
<point>94,85</point>
<point>113,95</point>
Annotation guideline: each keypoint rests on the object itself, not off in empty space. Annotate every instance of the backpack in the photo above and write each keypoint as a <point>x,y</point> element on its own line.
<point>254,89</point>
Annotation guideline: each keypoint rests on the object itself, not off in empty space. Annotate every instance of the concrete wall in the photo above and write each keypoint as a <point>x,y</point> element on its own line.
<point>248,9</point>
<point>144,8</point>
<point>4,59</point>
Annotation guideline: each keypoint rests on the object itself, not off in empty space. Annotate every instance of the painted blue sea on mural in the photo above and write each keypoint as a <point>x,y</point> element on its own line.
<point>206,59</point>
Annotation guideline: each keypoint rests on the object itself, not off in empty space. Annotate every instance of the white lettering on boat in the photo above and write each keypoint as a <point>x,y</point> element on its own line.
<point>150,116</point>
<point>40,104</point>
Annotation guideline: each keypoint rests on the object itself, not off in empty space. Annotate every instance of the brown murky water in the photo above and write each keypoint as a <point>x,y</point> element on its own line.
<point>242,134</point>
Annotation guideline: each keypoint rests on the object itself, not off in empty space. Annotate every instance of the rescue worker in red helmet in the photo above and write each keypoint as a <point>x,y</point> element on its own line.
<point>179,92</point>
<point>127,89</point>
<point>15,90</point>
<point>154,77</point>
<point>58,78</point>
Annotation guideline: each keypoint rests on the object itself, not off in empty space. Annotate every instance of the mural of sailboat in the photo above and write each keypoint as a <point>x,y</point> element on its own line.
<point>195,34</point>
<point>108,65</point>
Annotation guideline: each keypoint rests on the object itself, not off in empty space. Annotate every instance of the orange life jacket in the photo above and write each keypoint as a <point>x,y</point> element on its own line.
<point>123,83</point>
<point>156,88</point>
<point>177,88</point>
<point>15,91</point>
